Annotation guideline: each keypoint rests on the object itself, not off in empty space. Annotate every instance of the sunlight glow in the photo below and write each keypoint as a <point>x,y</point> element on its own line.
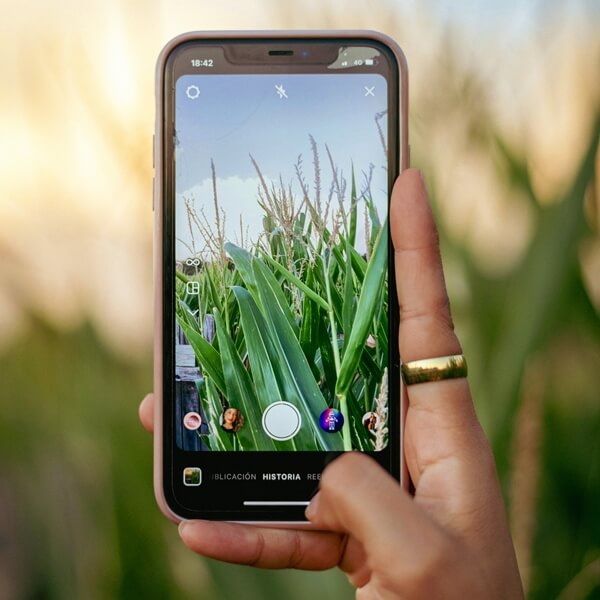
<point>77,120</point>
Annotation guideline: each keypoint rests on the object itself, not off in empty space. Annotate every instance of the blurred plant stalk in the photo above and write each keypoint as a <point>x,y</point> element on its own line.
<point>525,464</point>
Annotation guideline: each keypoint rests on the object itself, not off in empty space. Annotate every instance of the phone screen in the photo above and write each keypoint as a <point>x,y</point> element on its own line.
<point>282,339</point>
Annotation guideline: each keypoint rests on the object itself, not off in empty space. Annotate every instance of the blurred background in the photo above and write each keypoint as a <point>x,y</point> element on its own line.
<point>505,113</point>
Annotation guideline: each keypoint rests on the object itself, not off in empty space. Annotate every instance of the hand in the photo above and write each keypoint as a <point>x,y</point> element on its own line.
<point>452,539</point>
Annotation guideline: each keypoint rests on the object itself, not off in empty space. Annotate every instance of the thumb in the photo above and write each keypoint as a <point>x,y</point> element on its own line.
<point>358,497</point>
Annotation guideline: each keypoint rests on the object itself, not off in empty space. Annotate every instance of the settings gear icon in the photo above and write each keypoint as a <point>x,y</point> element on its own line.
<point>192,92</point>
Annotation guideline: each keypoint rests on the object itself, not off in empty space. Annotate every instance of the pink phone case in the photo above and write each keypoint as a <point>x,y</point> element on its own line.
<point>404,160</point>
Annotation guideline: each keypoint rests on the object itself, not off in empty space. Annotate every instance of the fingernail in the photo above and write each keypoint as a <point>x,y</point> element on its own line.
<point>313,508</point>
<point>182,526</point>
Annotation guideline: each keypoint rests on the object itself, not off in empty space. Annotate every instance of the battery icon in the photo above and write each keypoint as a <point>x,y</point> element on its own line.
<point>369,61</point>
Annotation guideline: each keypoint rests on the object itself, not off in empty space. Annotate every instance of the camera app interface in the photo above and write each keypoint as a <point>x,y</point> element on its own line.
<point>281,253</point>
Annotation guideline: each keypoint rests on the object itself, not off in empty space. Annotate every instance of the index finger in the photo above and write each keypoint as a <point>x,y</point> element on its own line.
<point>265,547</point>
<point>426,328</point>
<point>441,423</point>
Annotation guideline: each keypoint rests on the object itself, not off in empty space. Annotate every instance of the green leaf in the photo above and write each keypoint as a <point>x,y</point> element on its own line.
<point>348,304</point>
<point>297,282</point>
<point>291,359</point>
<point>336,299</point>
<point>217,436</point>
<point>276,293</point>
<point>325,361</point>
<point>367,304</point>
<point>369,367</point>
<point>186,315</point>
<point>212,295</point>
<point>240,393</point>
<point>361,438</point>
<point>181,276</point>
<point>353,211</point>
<point>243,263</point>
<point>272,382</point>
<point>309,329</point>
<point>359,264</point>
<point>208,358</point>
<point>375,223</point>
<point>536,289</point>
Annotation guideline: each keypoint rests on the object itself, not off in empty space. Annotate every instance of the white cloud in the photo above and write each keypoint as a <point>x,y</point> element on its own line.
<point>237,197</point>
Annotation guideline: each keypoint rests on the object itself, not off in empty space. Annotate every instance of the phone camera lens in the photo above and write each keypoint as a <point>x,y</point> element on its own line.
<point>304,53</point>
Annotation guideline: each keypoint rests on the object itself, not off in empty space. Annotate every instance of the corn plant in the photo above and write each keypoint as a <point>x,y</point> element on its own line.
<point>299,315</point>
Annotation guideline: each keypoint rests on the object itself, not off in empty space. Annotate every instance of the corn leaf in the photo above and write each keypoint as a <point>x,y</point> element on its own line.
<point>276,293</point>
<point>267,374</point>
<point>291,359</point>
<point>348,304</point>
<point>243,263</point>
<point>367,304</point>
<point>353,211</point>
<point>208,358</point>
<point>186,315</point>
<point>240,393</point>
<point>375,223</point>
<point>214,409</point>
<point>309,329</point>
<point>297,282</point>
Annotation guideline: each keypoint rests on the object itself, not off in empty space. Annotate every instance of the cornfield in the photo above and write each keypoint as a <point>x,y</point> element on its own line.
<point>298,316</point>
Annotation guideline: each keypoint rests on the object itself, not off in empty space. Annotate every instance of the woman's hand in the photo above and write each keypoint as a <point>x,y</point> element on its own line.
<point>451,540</point>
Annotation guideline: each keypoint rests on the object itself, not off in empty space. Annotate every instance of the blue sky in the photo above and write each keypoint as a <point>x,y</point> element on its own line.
<point>238,115</point>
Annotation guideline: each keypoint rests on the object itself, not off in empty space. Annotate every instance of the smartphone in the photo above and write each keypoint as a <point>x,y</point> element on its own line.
<point>276,310</point>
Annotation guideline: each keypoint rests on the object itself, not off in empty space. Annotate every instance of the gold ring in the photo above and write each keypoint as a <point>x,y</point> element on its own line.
<point>434,369</point>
